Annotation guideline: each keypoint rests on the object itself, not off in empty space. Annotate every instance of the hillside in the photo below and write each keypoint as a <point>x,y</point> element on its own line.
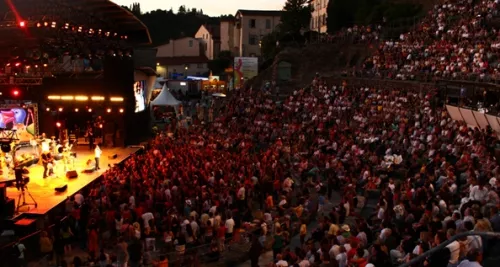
<point>325,59</point>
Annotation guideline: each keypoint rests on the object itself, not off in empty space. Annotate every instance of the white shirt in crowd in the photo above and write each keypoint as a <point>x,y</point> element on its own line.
<point>454,248</point>
<point>478,194</point>
<point>342,259</point>
<point>147,217</point>
<point>97,152</point>
<point>229,226</point>
<point>304,263</point>
<point>21,248</point>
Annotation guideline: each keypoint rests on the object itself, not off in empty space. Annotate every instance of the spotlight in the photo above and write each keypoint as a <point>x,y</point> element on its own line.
<point>22,24</point>
<point>121,110</point>
<point>39,24</point>
<point>108,110</point>
<point>47,109</point>
<point>100,125</point>
<point>60,109</point>
<point>45,24</point>
<point>58,124</point>
<point>15,92</point>
<point>76,109</point>
<point>90,110</point>
<point>18,64</point>
<point>54,24</point>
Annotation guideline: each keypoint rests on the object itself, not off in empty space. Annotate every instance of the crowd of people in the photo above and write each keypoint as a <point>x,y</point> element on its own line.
<point>210,184</point>
<point>454,40</point>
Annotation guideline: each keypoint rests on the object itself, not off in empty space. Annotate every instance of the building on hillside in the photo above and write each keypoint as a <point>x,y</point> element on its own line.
<point>210,37</point>
<point>181,58</point>
<point>318,16</point>
<point>227,36</point>
<point>250,27</point>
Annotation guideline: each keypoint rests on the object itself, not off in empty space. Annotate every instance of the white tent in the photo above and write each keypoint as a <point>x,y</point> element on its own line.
<point>165,98</point>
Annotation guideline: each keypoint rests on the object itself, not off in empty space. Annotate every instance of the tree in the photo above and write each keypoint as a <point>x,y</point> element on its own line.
<point>222,62</point>
<point>182,10</point>
<point>135,8</point>
<point>296,15</point>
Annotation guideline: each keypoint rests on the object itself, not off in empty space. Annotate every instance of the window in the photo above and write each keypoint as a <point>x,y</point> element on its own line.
<point>268,24</point>
<point>252,39</point>
<point>190,43</point>
<point>252,23</point>
<point>200,66</point>
<point>323,20</point>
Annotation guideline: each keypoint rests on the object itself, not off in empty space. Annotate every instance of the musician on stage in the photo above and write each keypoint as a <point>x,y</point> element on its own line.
<point>98,153</point>
<point>66,154</point>
<point>47,162</point>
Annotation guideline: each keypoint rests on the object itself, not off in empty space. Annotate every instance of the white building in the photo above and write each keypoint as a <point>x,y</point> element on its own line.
<point>210,38</point>
<point>319,15</point>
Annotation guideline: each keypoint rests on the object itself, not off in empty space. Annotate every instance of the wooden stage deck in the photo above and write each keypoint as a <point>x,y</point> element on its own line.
<point>43,190</point>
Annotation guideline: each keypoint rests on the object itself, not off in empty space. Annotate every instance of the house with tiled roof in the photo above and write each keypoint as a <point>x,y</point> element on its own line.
<point>209,35</point>
<point>180,58</point>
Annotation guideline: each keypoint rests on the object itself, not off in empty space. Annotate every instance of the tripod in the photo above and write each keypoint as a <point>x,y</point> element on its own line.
<point>22,195</point>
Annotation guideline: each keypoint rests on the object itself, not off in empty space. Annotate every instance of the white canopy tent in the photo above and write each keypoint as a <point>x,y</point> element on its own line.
<point>165,99</point>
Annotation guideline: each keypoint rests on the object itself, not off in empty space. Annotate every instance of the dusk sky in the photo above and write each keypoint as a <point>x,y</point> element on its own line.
<point>212,8</point>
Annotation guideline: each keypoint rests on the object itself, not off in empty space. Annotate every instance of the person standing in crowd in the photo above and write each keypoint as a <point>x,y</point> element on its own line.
<point>19,251</point>
<point>97,154</point>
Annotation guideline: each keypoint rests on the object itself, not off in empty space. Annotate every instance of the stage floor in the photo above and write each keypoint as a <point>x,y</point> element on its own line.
<point>43,190</point>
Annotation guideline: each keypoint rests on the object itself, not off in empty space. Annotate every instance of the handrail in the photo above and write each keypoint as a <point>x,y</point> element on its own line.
<point>446,243</point>
<point>31,235</point>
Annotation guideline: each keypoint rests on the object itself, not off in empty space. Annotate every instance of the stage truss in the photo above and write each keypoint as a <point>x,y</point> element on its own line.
<point>26,81</point>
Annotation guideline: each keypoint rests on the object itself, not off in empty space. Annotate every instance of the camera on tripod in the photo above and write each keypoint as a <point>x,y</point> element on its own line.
<point>21,180</point>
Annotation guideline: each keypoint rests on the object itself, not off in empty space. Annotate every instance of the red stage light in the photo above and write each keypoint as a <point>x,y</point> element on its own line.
<point>18,64</point>
<point>100,126</point>
<point>22,24</point>
<point>58,124</point>
<point>15,93</point>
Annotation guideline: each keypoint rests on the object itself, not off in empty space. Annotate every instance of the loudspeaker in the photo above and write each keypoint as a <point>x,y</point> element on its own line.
<point>114,156</point>
<point>71,174</point>
<point>61,188</point>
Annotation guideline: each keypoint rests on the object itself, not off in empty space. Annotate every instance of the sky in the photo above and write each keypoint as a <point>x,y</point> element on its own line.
<point>223,7</point>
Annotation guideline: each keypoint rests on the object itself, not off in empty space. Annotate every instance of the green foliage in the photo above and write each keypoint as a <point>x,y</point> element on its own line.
<point>165,25</point>
<point>296,15</point>
<point>342,13</point>
<point>223,61</point>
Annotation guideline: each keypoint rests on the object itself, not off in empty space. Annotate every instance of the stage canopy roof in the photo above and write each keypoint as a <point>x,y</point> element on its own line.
<point>94,14</point>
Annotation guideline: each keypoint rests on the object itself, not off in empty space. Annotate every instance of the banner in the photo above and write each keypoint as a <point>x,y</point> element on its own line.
<point>245,68</point>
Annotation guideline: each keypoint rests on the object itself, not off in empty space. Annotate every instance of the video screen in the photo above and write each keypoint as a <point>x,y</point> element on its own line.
<point>20,119</point>
<point>140,101</point>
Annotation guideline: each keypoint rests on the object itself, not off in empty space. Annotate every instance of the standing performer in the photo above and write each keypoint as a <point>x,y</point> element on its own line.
<point>98,153</point>
<point>46,160</point>
<point>90,136</point>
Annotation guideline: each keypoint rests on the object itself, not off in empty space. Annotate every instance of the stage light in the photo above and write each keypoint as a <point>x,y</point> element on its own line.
<point>76,109</point>
<point>28,67</point>
<point>58,124</point>
<point>39,24</point>
<point>54,97</point>
<point>45,24</point>
<point>121,110</point>
<point>67,97</point>
<point>22,24</point>
<point>66,26</point>
<point>60,109</point>
<point>53,25</point>
<point>7,65</point>
<point>97,98</point>
<point>100,125</point>
<point>80,29</point>
<point>126,37</point>
<point>47,109</point>
<point>15,92</point>
<point>36,66</point>
<point>81,98</point>
<point>45,65</point>
<point>18,64</point>
<point>89,110</point>
<point>108,110</point>
<point>107,34</point>
<point>116,99</point>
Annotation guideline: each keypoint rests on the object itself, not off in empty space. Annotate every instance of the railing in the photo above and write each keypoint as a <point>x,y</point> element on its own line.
<point>31,241</point>
<point>426,254</point>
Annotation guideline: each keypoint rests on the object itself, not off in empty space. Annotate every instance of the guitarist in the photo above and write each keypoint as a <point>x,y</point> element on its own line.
<point>45,163</point>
